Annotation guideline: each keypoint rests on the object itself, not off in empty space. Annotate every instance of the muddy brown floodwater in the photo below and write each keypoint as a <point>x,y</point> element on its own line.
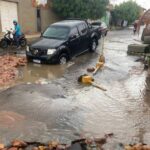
<point>65,110</point>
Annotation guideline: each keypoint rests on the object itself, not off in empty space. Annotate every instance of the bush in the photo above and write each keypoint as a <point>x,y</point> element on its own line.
<point>129,11</point>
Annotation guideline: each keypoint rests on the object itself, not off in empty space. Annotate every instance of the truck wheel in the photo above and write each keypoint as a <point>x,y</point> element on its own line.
<point>93,45</point>
<point>63,59</point>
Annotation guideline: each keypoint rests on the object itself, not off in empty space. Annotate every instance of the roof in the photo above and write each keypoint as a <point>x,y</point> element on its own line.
<point>69,23</point>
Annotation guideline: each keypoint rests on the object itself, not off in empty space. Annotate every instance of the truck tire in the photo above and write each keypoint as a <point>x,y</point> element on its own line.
<point>93,45</point>
<point>63,59</point>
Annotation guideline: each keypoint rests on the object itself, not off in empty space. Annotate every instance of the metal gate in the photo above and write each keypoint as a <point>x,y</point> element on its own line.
<point>8,12</point>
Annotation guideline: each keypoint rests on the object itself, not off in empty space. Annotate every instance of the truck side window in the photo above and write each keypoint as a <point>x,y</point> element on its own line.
<point>82,29</point>
<point>74,31</point>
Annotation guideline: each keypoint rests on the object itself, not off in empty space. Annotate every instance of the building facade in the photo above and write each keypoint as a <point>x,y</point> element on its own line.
<point>31,18</point>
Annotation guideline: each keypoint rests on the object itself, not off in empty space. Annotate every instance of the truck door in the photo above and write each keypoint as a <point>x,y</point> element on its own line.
<point>84,37</point>
<point>74,41</point>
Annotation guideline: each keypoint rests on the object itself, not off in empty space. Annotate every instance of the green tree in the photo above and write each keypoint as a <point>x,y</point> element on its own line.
<point>88,9</point>
<point>129,11</point>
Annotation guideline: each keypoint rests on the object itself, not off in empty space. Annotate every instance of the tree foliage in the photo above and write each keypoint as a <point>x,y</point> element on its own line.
<point>129,11</point>
<point>92,9</point>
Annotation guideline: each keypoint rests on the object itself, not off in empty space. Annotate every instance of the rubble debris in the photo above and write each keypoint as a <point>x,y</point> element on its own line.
<point>2,146</point>
<point>109,135</point>
<point>101,141</point>
<point>13,148</point>
<point>137,147</point>
<point>35,148</point>
<point>42,148</point>
<point>8,68</point>
<point>79,144</point>
<point>19,143</point>
<point>92,69</point>
<point>92,143</point>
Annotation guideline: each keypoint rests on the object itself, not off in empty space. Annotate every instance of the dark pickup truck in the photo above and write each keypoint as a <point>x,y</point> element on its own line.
<point>63,40</point>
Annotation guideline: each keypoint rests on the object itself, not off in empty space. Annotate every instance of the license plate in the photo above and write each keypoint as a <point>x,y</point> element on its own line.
<point>36,61</point>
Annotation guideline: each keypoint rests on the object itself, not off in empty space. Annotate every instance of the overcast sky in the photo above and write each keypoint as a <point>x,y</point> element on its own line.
<point>143,3</point>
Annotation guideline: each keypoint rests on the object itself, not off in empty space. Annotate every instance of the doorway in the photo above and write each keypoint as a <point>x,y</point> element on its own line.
<point>38,13</point>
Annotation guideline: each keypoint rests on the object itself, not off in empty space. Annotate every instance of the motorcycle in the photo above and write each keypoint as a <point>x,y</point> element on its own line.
<point>8,40</point>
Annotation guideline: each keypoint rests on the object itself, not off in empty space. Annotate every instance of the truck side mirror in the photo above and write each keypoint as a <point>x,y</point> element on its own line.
<point>72,37</point>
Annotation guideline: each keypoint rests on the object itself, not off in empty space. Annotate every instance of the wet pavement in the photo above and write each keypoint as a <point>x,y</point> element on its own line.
<point>65,110</point>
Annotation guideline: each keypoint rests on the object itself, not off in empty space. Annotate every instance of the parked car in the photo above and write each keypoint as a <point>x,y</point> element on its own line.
<point>63,40</point>
<point>101,27</point>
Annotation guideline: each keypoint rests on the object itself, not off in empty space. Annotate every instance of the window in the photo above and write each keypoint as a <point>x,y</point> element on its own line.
<point>82,29</point>
<point>74,31</point>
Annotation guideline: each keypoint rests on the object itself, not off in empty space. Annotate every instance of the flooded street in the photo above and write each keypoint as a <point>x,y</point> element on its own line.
<point>66,110</point>
<point>36,72</point>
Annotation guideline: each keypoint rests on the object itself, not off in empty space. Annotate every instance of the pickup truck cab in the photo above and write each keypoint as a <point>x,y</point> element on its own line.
<point>63,40</point>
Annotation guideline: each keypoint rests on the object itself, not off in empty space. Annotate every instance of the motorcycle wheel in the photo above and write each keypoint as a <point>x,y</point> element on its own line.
<point>3,44</point>
<point>23,42</point>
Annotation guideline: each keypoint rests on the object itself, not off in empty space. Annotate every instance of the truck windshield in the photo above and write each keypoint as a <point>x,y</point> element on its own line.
<point>56,32</point>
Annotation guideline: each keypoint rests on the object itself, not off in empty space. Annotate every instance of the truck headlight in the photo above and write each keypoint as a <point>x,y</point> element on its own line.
<point>51,51</point>
<point>27,49</point>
